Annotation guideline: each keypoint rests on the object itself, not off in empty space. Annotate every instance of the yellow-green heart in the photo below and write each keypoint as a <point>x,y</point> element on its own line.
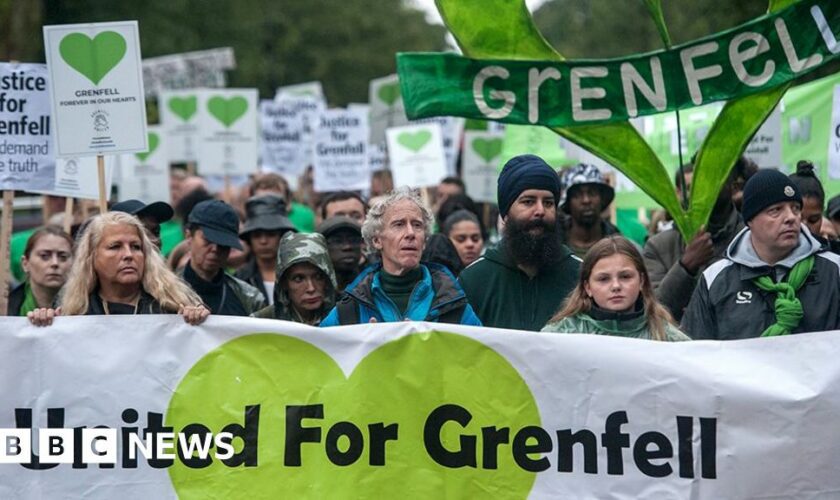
<point>227,111</point>
<point>487,148</point>
<point>414,140</point>
<point>389,93</point>
<point>400,382</point>
<point>154,140</point>
<point>183,107</point>
<point>93,58</point>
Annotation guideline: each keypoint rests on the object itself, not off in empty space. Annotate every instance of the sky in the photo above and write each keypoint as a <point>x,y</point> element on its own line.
<point>434,17</point>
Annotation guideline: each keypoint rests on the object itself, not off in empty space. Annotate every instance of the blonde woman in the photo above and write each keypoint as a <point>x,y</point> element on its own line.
<point>614,297</point>
<point>117,270</point>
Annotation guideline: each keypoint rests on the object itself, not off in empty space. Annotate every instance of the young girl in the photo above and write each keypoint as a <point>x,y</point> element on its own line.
<point>614,297</point>
<point>813,202</point>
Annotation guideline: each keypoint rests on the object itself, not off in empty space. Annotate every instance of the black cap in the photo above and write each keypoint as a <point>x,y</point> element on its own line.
<point>767,187</point>
<point>266,213</point>
<point>159,210</point>
<point>338,222</point>
<point>833,207</point>
<point>218,221</point>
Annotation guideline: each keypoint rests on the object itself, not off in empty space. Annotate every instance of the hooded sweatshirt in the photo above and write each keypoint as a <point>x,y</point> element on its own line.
<point>297,248</point>
<point>727,304</point>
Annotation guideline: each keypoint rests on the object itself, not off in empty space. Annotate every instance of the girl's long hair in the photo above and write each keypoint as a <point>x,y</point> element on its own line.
<point>158,281</point>
<point>579,302</point>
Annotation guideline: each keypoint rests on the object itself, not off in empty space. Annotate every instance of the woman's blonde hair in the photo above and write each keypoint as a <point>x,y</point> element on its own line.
<point>579,302</point>
<point>158,281</point>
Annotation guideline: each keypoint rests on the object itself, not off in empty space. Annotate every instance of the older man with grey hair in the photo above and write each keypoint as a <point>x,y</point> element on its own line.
<point>399,287</point>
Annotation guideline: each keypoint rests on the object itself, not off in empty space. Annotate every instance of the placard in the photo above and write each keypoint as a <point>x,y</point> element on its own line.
<point>386,107</point>
<point>179,115</point>
<point>27,158</point>
<point>77,178</point>
<point>416,155</point>
<point>228,132</point>
<point>834,137</point>
<point>284,142</point>
<point>96,88</point>
<point>145,176</point>
<point>341,162</point>
<point>480,164</point>
<point>308,89</point>
<point>188,70</point>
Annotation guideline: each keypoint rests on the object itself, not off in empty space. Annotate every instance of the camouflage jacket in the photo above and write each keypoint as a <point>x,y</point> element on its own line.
<point>250,298</point>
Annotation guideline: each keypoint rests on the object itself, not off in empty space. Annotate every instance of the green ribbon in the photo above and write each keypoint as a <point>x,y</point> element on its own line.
<point>762,54</point>
<point>788,307</point>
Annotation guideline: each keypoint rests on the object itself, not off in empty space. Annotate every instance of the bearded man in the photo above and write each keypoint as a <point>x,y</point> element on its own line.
<point>524,280</point>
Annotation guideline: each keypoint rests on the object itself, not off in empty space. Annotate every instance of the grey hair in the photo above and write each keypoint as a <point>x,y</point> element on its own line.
<point>376,215</point>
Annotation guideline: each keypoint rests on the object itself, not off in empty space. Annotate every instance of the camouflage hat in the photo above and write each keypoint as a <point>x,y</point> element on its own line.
<point>584,174</point>
<point>311,248</point>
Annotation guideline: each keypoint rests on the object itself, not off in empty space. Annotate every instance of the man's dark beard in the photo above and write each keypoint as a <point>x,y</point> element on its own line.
<point>539,250</point>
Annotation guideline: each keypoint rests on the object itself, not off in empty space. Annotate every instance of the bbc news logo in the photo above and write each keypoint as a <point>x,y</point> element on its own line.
<point>99,446</point>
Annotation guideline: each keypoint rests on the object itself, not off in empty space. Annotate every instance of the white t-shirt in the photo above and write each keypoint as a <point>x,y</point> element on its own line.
<point>269,287</point>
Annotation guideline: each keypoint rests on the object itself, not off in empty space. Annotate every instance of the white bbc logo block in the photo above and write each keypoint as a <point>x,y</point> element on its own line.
<point>55,446</point>
<point>15,446</point>
<point>99,446</point>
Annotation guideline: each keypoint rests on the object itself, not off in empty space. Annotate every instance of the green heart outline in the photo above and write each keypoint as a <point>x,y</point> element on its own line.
<point>93,58</point>
<point>414,141</point>
<point>183,107</point>
<point>154,140</point>
<point>494,29</point>
<point>487,149</point>
<point>227,110</point>
<point>389,93</point>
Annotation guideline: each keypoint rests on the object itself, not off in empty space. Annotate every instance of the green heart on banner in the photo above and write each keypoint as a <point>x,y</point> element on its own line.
<point>154,140</point>
<point>487,148</point>
<point>93,58</point>
<point>414,140</point>
<point>227,111</point>
<point>504,29</point>
<point>389,93</point>
<point>276,371</point>
<point>183,107</point>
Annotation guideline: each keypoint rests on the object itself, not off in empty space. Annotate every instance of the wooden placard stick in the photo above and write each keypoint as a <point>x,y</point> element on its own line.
<point>100,168</point>
<point>5,248</point>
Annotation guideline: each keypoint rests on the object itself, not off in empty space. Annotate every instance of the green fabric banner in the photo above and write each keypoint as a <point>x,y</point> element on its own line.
<point>754,57</point>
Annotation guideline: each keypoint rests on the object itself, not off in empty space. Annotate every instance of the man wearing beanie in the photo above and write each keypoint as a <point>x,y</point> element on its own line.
<point>520,283</point>
<point>775,280</point>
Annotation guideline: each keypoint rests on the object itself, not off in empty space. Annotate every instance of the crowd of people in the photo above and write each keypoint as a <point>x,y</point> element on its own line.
<point>763,265</point>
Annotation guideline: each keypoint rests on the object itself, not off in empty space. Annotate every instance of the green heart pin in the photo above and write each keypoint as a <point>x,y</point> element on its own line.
<point>389,93</point>
<point>414,140</point>
<point>183,107</point>
<point>504,29</point>
<point>93,58</point>
<point>278,371</point>
<point>154,140</point>
<point>487,149</point>
<point>227,111</point>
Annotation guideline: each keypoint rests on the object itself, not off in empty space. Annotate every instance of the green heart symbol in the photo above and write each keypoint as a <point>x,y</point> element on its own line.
<point>154,140</point>
<point>93,58</point>
<point>184,107</point>
<point>504,29</point>
<point>487,148</point>
<point>400,382</point>
<point>227,111</point>
<point>389,93</point>
<point>414,140</point>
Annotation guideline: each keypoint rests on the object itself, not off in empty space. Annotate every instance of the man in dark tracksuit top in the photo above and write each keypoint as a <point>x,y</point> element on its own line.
<point>523,282</point>
<point>748,294</point>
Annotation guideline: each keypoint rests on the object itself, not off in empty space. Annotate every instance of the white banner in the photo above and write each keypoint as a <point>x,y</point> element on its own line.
<point>276,409</point>
<point>145,176</point>
<point>96,88</point>
<point>341,161</point>
<point>227,132</point>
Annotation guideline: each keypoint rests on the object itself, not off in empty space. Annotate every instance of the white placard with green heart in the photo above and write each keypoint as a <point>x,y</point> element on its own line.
<point>386,107</point>
<point>145,176</point>
<point>77,177</point>
<point>416,155</point>
<point>313,90</point>
<point>179,116</point>
<point>341,148</point>
<point>96,88</point>
<point>480,164</point>
<point>228,132</point>
<point>283,140</point>
<point>451,130</point>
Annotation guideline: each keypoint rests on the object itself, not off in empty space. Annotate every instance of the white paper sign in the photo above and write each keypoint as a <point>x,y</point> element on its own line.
<point>834,137</point>
<point>386,107</point>
<point>27,158</point>
<point>341,162</point>
<point>378,157</point>
<point>283,140</point>
<point>96,88</point>
<point>145,176</point>
<point>451,129</point>
<point>765,148</point>
<point>78,178</point>
<point>309,89</point>
<point>416,155</point>
<point>179,115</point>
<point>228,132</point>
<point>480,164</point>
<point>189,70</point>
